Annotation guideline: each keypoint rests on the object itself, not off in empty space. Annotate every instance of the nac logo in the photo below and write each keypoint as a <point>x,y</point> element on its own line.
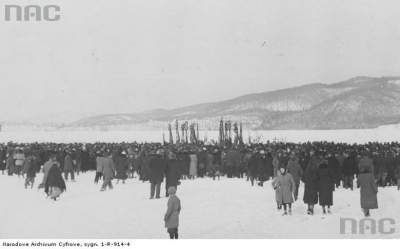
<point>367,225</point>
<point>28,13</point>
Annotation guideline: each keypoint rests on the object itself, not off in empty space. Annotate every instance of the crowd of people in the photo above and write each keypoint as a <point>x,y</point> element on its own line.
<point>321,166</point>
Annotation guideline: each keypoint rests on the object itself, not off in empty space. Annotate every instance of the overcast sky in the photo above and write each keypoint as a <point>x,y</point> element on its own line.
<point>132,55</point>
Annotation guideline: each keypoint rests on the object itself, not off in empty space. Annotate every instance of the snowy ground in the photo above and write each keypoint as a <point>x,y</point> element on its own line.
<point>387,133</point>
<point>229,208</point>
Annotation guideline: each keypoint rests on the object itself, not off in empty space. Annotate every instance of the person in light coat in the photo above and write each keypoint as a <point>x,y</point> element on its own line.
<point>171,217</point>
<point>368,189</point>
<point>108,172</point>
<point>284,186</point>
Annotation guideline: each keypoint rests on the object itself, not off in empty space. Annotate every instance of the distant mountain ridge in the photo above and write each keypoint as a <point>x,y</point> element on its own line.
<point>360,102</point>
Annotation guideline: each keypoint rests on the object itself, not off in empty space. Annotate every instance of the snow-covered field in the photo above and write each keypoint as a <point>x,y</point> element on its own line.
<point>381,134</point>
<point>229,208</point>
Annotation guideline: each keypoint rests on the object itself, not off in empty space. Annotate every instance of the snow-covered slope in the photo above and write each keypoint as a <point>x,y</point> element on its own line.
<point>360,102</point>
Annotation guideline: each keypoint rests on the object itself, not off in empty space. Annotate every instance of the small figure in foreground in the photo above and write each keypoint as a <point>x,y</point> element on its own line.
<point>284,186</point>
<point>171,217</point>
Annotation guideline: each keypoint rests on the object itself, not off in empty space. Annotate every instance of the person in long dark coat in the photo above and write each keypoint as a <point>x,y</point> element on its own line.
<point>55,184</point>
<point>294,168</point>
<point>30,171</point>
<point>368,190</point>
<point>397,170</point>
<point>253,167</point>
<point>326,183</point>
<point>171,172</point>
<point>2,160</point>
<point>10,165</point>
<point>157,166</point>
<point>334,168</point>
<point>121,167</point>
<point>349,170</point>
<point>310,179</point>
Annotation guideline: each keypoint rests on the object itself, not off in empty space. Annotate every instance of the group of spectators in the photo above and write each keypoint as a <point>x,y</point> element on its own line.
<point>320,165</point>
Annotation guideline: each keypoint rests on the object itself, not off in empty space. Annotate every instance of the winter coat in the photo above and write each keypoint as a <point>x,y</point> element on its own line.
<point>108,168</point>
<point>10,165</point>
<point>68,163</point>
<point>171,217</point>
<point>326,183</point>
<point>2,160</point>
<point>397,171</point>
<point>99,164</point>
<point>253,165</point>
<point>172,172</point>
<point>54,179</point>
<point>157,166</point>
<point>368,191</point>
<point>121,167</point>
<point>334,167</point>
<point>29,168</point>
<point>284,186</point>
<point>310,179</point>
<point>193,165</point>
<point>294,168</point>
<point>210,163</point>
<point>46,168</point>
<point>349,166</point>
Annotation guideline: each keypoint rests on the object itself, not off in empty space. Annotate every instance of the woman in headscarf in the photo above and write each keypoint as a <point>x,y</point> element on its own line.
<point>171,217</point>
<point>55,184</point>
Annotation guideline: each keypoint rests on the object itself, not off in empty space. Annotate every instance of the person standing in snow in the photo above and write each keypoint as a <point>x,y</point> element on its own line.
<point>326,185</point>
<point>294,168</point>
<point>68,166</point>
<point>310,179</point>
<point>157,165</point>
<point>10,164</point>
<point>368,189</point>
<point>108,172</point>
<point>55,184</point>
<point>171,172</point>
<point>284,186</point>
<point>30,171</point>
<point>193,165</point>
<point>171,217</point>
<point>19,158</point>
<point>121,167</point>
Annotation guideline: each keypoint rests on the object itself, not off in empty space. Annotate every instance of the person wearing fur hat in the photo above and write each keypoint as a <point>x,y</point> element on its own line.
<point>368,190</point>
<point>326,185</point>
<point>171,217</point>
<point>284,186</point>
<point>121,167</point>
